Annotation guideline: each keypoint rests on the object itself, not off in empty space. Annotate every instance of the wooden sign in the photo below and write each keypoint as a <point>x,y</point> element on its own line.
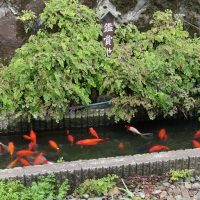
<point>108,32</point>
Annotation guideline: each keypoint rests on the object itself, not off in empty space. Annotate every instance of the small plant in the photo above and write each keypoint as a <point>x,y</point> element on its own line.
<point>128,192</point>
<point>175,175</point>
<point>44,188</point>
<point>60,160</point>
<point>27,18</point>
<point>98,187</point>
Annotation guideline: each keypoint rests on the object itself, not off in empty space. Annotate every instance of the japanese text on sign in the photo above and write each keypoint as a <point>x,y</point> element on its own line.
<point>108,31</point>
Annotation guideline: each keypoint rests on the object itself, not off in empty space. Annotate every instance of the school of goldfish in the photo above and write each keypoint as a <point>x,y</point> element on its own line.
<point>31,156</point>
<point>163,136</point>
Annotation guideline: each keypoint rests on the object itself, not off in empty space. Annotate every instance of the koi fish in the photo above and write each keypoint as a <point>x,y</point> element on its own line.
<point>70,139</point>
<point>33,136</point>
<point>54,145</point>
<point>197,134</point>
<point>162,134</point>
<point>39,159</point>
<point>121,146</point>
<point>93,133</point>
<point>11,148</point>
<point>91,142</point>
<point>196,144</point>
<point>24,162</point>
<point>133,130</point>
<point>27,137</point>
<point>158,148</point>
<point>25,153</point>
<point>12,164</point>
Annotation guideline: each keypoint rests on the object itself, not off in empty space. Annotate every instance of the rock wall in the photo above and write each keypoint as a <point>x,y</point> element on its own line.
<point>12,33</point>
<point>140,12</point>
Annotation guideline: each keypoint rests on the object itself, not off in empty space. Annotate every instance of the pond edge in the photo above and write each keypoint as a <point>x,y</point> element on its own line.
<point>123,166</point>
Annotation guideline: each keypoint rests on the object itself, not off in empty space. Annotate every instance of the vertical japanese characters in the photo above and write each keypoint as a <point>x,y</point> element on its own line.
<point>108,31</point>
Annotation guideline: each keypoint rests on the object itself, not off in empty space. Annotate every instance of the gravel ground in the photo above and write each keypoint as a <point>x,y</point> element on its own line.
<point>154,188</point>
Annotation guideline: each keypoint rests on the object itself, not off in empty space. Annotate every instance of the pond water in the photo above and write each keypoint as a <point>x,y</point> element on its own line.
<point>180,137</point>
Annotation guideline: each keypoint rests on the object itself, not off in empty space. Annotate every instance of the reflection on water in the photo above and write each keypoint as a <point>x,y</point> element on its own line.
<point>180,136</point>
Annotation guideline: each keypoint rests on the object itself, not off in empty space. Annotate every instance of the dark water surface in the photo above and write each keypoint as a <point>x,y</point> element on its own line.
<point>180,137</point>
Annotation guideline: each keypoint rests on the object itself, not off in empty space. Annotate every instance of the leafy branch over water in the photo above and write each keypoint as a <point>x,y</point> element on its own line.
<point>157,71</point>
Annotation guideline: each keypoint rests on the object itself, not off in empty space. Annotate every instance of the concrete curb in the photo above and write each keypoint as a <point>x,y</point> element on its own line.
<point>124,166</point>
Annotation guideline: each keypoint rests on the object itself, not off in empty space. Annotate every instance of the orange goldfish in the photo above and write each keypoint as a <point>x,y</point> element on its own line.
<point>24,162</point>
<point>93,133</point>
<point>197,134</point>
<point>196,144</point>
<point>70,139</point>
<point>25,153</point>
<point>91,142</point>
<point>158,148</point>
<point>54,145</point>
<point>121,146</point>
<point>39,159</point>
<point>12,164</point>
<point>162,134</point>
<point>67,131</point>
<point>11,148</point>
<point>33,136</point>
<point>27,137</point>
<point>132,129</point>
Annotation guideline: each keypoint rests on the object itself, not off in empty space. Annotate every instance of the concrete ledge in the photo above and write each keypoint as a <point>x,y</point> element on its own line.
<point>124,166</point>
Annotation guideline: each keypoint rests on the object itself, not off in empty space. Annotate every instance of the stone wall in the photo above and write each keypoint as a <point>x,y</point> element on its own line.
<point>124,166</point>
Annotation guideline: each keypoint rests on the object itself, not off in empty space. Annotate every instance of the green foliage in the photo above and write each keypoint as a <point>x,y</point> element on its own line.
<point>98,187</point>
<point>57,67</point>
<point>60,160</point>
<point>157,71</point>
<point>175,175</point>
<point>44,188</point>
<point>28,17</point>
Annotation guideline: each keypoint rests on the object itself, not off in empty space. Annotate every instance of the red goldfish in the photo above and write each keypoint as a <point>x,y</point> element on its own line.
<point>25,153</point>
<point>27,137</point>
<point>32,146</point>
<point>132,129</point>
<point>24,162</point>
<point>121,146</point>
<point>158,148</point>
<point>11,148</point>
<point>12,164</point>
<point>70,139</point>
<point>40,159</point>
<point>162,134</point>
<point>197,134</point>
<point>33,136</point>
<point>90,142</point>
<point>93,133</point>
<point>196,144</point>
<point>54,145</point>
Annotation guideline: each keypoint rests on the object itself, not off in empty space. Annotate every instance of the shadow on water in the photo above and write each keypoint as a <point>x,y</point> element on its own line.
<point>180,137</point>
